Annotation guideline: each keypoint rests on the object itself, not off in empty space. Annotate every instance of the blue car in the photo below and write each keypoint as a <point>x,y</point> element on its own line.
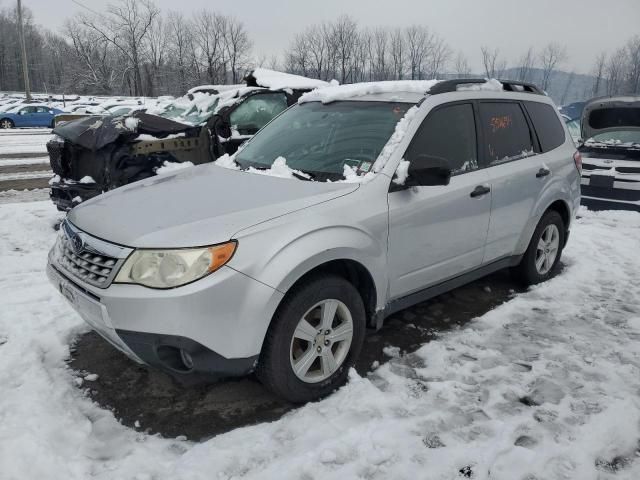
<point>29,116</point>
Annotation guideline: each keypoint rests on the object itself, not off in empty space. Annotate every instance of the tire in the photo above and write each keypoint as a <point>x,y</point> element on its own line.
<point>540,262</point>
<point>283,348</point>
<point>6,123</point>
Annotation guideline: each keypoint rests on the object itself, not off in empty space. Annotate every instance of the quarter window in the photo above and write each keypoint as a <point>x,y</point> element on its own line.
<point>506,132</point>
<point>548,127</point>
<point>448,133</point>
<point>256,111</point>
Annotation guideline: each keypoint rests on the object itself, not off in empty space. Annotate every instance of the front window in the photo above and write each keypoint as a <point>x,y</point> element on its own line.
<point>320,139</point>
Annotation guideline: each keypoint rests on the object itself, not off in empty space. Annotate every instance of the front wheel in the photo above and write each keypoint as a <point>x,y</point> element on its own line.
<point>541,259</point>
<point>6,123</point>
<point>314,338</point>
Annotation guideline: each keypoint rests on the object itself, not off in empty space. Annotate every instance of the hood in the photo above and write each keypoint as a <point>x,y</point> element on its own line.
<point>196,206</point>
<point>611,114</point>
<point>94,132</point>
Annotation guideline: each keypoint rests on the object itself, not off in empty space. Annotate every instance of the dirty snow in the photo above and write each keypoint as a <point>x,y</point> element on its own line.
<point>279,80</point>
<point>170,167</point>
<point>345,92</point>
<point>491,85</point>
<point>544,387</point>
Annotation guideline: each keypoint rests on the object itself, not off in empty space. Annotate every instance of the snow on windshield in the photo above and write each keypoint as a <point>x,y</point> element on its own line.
<point>345,92</point>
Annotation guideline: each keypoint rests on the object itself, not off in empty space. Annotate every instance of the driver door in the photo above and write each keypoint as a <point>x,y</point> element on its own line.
<point>439,232</point>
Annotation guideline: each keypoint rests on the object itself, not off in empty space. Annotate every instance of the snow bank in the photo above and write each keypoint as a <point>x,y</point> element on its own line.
<point>545,386</point>
<point>344,92</point>
<point>491,85</point>
<point>170,167</point>
<point>278,80</point>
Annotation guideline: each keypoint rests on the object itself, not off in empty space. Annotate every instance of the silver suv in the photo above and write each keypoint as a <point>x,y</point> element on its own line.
<point>357,202</point>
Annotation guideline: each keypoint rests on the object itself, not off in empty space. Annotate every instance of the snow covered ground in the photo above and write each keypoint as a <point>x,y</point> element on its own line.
<point>544,387</point>
<point>24,141</point>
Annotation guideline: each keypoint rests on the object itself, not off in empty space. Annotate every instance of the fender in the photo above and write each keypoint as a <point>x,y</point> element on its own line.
<point>282,264</point>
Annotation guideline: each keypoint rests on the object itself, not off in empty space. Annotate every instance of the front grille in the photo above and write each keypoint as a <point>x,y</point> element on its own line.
<point>90,267</point>
<point>91,260</point>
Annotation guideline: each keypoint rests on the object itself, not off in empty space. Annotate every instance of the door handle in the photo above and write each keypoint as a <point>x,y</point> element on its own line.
<point>479,191</point>
<point>543,172</point>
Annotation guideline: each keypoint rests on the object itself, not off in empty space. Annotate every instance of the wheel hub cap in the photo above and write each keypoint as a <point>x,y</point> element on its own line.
<point>547,249</point>
<point>321,341</point>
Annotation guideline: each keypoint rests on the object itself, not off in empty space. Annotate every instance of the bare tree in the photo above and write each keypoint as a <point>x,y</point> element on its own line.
<point>598,74</point>
<point>461,66</point>
<point>238,46</point>
<point>398,53</point>
<point>527,63</point>
<point>126,25</point>
<point>494,66</point>
<point>567,88</point>
<point>180,45</point>
<point>551,57</point>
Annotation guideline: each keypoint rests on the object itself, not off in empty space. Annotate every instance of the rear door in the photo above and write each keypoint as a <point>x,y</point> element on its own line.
<point>42,117</point>
<point>439,232</point>
<point>516,171</point>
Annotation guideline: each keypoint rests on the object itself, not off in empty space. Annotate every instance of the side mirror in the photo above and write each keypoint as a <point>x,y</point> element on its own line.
<point>22,112</point>
<point>427,170</point>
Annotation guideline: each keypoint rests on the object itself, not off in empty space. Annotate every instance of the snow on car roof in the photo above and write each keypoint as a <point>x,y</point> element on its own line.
<point>393,89</point>
<point>218,88</point>
<point>263,77</point>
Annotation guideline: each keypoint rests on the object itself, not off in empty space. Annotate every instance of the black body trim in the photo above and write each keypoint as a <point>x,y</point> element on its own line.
<point>163,352</point>
<point>447,86</point>
<point>433,291</point>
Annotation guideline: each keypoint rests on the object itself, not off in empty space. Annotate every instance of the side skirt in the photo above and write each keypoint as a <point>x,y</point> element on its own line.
<point>430,292</point>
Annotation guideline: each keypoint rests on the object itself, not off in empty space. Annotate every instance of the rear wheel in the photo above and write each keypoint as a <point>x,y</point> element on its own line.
<point>6,123</point>
<point>315,337</point>
<point>541,259</point>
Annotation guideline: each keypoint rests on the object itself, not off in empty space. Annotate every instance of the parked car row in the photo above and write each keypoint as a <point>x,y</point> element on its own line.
<point>345,204</point>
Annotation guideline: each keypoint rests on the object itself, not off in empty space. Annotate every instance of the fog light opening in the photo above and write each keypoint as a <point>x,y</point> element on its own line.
<point>175,358</point>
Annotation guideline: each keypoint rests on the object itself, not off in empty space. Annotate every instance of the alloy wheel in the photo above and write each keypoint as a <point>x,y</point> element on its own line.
<point>321,341</point>
<point>547,249</point>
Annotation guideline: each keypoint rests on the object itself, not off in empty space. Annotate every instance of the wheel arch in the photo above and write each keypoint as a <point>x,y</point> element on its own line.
<point>351,270</point>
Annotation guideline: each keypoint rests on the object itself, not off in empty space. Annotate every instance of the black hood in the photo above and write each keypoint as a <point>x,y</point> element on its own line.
<point>95,132</point>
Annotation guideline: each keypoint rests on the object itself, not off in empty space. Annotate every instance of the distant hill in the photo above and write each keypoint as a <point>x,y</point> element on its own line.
<point>564,87</point>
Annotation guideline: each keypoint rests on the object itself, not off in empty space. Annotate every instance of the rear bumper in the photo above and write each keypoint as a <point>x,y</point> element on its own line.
<point>64,194</point>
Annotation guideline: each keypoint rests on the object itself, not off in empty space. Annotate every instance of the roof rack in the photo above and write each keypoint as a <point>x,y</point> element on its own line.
<point>447,86</point>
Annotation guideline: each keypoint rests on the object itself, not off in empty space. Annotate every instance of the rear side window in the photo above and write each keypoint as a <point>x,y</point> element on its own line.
<point>506,132</point>
<point>547,125</point>
<point>448,133</point>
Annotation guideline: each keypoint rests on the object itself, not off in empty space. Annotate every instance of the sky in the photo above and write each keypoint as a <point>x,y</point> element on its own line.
<point>586,27</point>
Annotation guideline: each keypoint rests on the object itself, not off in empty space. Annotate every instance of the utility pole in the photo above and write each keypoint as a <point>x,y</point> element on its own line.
<point>25,68</point>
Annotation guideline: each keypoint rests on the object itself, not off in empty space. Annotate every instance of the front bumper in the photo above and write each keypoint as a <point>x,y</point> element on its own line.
<point>610,193</point>
<point>213,327</point>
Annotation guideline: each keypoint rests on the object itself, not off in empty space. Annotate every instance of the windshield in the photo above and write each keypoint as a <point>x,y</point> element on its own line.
<point>320,139</point>
<point>194,111</point>
<point>619,138</point>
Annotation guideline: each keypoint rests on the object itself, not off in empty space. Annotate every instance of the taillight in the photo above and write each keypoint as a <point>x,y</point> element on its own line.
<point>577,158</point>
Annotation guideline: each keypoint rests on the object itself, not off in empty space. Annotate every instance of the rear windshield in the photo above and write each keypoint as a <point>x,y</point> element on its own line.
<point>321,139</point>
<point>547,125</point>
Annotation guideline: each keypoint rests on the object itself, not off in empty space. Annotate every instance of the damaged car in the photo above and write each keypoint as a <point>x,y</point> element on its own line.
<point>95,154</point>
<point>610,149</point>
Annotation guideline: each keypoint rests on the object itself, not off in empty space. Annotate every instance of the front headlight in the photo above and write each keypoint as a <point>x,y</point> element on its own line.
<point>173,268</point>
